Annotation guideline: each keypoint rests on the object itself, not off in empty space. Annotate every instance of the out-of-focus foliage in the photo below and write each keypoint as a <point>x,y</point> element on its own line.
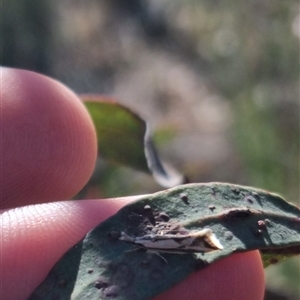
<point>124,138</point>
<point>221,77</point>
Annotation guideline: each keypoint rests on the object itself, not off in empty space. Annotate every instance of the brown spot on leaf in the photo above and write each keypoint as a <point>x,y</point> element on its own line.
<point>236,191</point>
<point>212,207</point>
<point>249,199</point>
<point>261,223</point>
<point>184,198</point>
<point>101,283</point>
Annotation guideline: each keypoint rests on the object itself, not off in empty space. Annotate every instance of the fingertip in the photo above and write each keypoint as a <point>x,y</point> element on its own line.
<point>48,140</point>
<point>239,276</point>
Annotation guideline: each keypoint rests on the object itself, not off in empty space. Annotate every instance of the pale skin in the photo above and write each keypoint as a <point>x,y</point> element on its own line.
<point>48,150</point>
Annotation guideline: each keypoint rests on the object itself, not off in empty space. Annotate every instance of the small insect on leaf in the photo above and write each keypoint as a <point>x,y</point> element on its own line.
<point>192,242</point>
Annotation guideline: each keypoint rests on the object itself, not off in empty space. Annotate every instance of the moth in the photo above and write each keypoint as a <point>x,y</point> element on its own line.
<point>192,242</point>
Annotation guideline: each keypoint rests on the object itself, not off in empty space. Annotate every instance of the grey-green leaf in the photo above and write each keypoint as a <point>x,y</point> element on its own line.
<point>104,267</point>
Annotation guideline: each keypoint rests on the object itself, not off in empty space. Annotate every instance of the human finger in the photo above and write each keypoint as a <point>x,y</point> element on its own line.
<point>48,141</point>
<point>39,235</point>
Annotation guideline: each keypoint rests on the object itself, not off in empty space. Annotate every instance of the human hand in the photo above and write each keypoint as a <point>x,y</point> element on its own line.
<point>48,151</point>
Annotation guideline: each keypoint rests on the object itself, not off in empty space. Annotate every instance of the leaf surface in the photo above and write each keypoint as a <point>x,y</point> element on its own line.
<point>104,267</point>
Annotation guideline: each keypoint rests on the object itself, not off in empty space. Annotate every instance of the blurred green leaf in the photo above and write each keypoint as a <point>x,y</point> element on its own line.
<point>120,132</point>
<point>104,267</point>
<point>124,138</point>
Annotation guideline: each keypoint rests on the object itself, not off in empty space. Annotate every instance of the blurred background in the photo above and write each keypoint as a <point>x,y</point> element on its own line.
<point>218,82</point>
